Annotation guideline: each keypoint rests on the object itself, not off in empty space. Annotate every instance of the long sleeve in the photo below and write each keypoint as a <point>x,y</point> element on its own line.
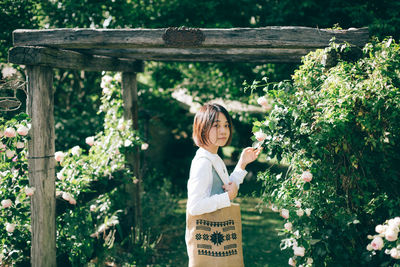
<point>237,176</point>
<point>199,189</point>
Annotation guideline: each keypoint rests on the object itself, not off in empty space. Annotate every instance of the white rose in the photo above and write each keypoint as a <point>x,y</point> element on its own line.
<point>308,212</point>
<point>6,203</point>
<point>395,253</point>
<point>391,234</point>
<point>369,247</point>
<point>297,204</point>
<point>300,212</point>
<point>59,156</point>
<point>60,175</point>
<point>299,251</point>
<point>306,176</point>
<point>90,140</point>
<point>127,143</point>
<point>92,208</point>
<point>10,227</point>
<point>8,72</point>
<point>260,136</point>
<point>66,196</point>
<point>10,153</point>
<point>262,101</point>
<point>288,226</point>
<point>75,150</point>
<point>310,260</point>
<point>22,130</point>
<point>377,243</point>
<point>274,208</point>
<point>29,191</point>
<point>292,262</point>
<point>285,213</point>
<point>20,145</point>
<point>380,228</point>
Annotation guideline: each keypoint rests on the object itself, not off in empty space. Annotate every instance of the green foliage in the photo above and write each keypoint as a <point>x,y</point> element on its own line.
<point>342,125</point>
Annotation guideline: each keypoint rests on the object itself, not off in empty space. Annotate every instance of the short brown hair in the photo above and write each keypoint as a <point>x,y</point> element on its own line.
<point>203,121</point>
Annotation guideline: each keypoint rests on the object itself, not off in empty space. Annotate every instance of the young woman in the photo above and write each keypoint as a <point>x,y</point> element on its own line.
<point>210,187</point>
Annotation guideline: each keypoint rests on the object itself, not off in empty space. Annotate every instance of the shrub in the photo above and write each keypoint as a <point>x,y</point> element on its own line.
<point>336,126</point>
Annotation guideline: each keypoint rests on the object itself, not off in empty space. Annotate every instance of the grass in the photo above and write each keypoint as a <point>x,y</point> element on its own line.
<point>260,237</point>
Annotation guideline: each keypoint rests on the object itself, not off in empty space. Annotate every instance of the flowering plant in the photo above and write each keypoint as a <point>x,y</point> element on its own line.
<point>334,129</point>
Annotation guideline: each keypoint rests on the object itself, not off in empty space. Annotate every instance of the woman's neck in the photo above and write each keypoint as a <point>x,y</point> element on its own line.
<point>212,149</point>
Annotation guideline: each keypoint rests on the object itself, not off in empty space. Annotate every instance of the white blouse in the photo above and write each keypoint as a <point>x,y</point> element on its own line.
<point>201,180</point>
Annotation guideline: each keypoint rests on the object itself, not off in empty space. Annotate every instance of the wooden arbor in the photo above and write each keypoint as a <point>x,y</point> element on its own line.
<point>124,50</point>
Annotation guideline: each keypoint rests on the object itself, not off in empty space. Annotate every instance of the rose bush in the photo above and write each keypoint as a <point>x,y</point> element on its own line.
<point>336,126</point>
<point>89,227</point>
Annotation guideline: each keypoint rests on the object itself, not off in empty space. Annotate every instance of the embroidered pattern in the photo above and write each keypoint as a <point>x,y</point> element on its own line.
<point>217,238</point>
<point>216,242</point>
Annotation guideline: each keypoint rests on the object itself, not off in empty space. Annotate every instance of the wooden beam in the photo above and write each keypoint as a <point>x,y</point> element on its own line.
<point>66,59</point>
<point>262,55</point>
<point>41,166</point>
<point>267,37</point>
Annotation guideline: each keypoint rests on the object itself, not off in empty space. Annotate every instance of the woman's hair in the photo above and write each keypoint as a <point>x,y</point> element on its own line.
<point>203,121</point>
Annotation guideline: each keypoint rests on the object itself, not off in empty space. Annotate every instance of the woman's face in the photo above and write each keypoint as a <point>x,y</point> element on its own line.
<point>219,132</point>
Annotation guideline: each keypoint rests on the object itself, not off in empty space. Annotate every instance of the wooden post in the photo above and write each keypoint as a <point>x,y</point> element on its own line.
<point>130,99</point>
<point>40,106</point>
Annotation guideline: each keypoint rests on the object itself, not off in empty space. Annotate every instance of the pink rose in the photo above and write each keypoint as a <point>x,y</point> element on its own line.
<point>90,140</point>
<point>9,132</point>
<point>6,203</point>
<point>288,226</point>
<point>10,227</point>
<point>29,191</point>
<point>20,145</point>
<point>145,146</point>
<point>22,130</point>
<point>299,251</point>
<point>297,204</point>
<point>377,243</point>
<point>292,262</point>
<point>262,101</point>
<point>306,176</point>
<point>285,213</point>
<point>260,136</point>
<point>72,201</point>
<point>92,208</point>
<point>59,156</point>
<point>10,153</point>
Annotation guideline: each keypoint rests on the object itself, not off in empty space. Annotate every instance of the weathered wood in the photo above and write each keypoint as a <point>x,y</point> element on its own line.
<point>267,37</point>
<point>67,59</point>
<point>259,55</point>
<point>133,191</point>
<point>40,105</point>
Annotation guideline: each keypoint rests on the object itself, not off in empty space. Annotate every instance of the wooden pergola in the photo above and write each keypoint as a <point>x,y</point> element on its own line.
<point>124,50</point>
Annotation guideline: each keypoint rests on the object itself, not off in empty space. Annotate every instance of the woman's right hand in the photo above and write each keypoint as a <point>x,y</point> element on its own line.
<point>232,189</point>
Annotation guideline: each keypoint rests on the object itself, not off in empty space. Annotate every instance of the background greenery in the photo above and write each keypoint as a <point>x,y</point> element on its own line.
<point>164,124</point>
